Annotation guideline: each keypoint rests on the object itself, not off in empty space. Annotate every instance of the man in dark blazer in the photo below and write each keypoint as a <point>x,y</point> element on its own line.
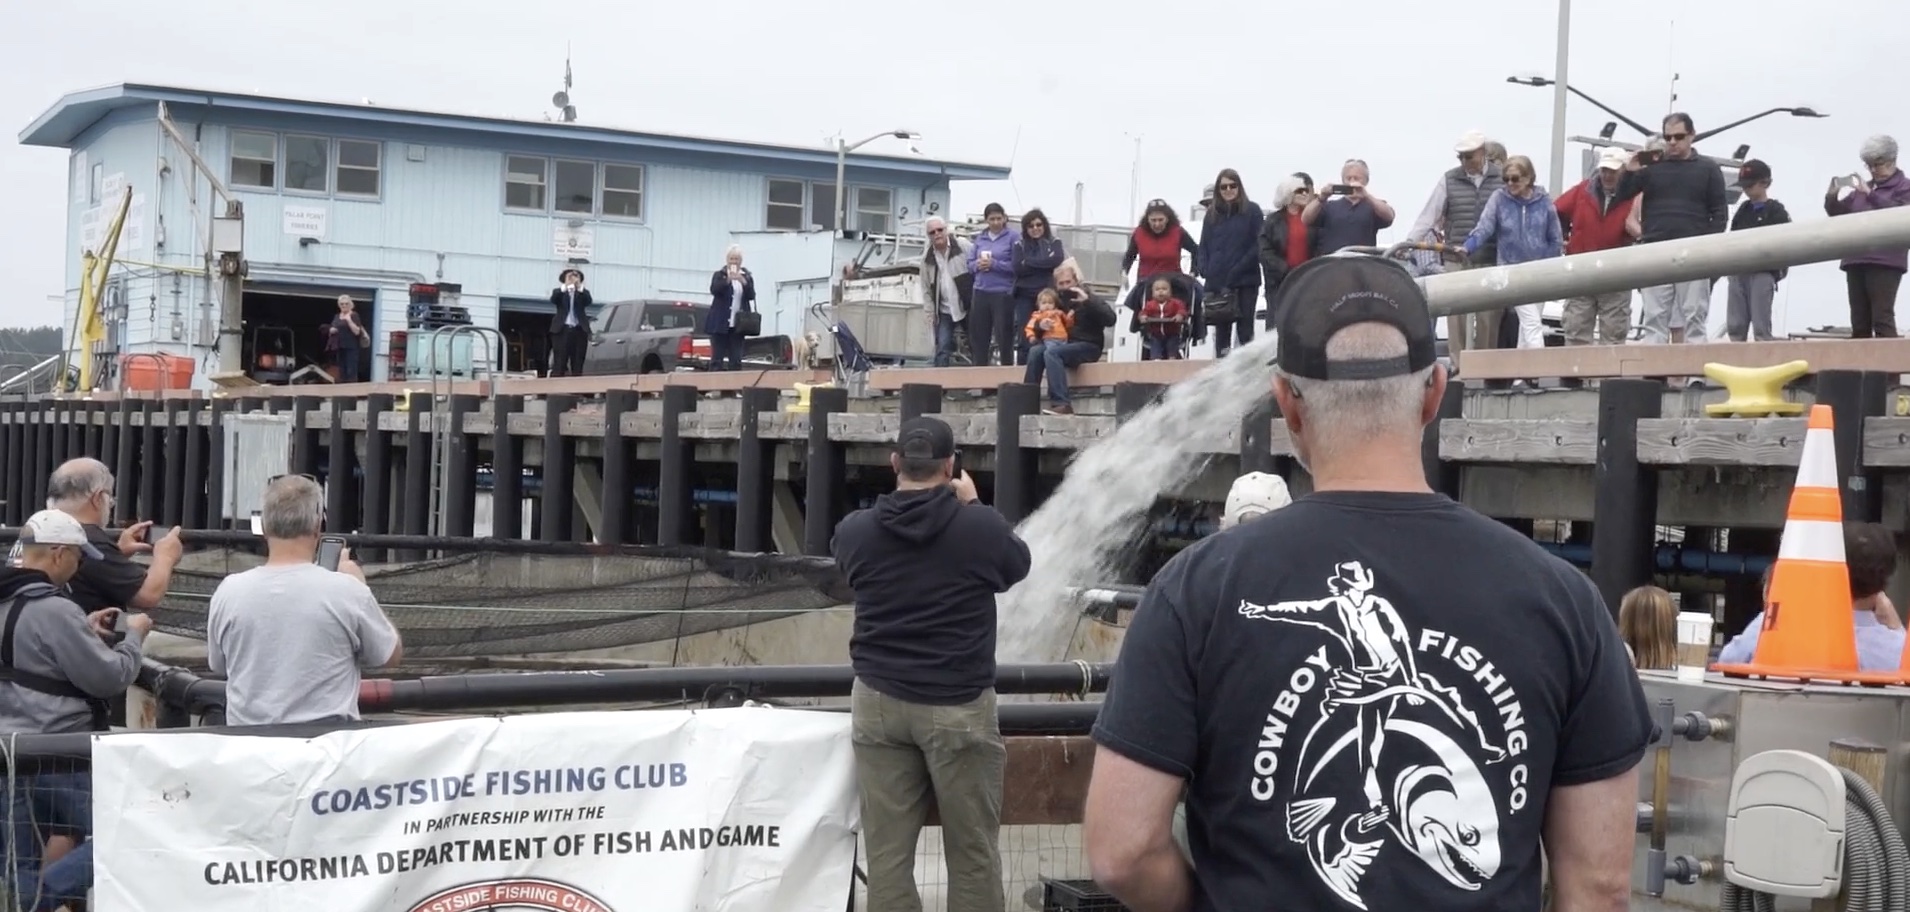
<point>569,324</point>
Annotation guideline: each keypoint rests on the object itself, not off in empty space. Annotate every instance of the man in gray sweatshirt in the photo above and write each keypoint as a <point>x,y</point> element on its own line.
<point>56,673</point>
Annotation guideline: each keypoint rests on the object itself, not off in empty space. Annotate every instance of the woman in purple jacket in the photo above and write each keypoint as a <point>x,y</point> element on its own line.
<point>991,314</point>
<point>1872,278</point>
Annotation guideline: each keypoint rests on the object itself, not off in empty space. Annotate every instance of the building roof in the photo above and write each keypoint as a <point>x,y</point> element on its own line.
<point>76,112</point>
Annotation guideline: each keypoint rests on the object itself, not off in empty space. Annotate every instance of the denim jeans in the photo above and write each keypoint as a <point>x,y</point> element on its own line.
<point>1162,348</point>
<point>42,805</point>
<point>1024,310</point>
<point>67,881</point>
<point>944,339</point>
<point>1054,359</point>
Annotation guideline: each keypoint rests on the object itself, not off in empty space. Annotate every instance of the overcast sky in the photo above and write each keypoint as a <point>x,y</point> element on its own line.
<point>1058,89</point>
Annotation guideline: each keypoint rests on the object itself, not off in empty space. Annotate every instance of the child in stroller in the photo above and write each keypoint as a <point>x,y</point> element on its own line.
<point>1183,288</point>
<point>1163,323</point>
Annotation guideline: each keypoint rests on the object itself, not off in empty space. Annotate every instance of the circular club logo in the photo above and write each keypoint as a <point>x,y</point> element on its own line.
<point>516,893</point>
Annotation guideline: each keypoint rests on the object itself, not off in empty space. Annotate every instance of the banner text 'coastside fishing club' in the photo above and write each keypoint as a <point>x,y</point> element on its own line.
<point>738,803</point>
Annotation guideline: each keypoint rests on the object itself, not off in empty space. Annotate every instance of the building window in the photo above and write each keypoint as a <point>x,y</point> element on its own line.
<point>822,205</point>
<point>524,183</point>
<point>785,212</point>
<point>96,184</point>
<point>307,163</point>
<point>255,158</point>
<point>358,167</point>
<point>875,209</point>
<point>623,191</point>
<point>574,187</point>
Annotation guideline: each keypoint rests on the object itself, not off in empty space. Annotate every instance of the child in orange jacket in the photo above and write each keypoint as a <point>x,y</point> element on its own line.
<point>1049,323</point>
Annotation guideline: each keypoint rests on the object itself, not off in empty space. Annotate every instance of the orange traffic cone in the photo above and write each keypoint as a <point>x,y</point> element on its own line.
<point>1809,631</point>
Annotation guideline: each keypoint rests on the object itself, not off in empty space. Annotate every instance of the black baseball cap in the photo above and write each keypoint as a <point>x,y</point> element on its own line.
<point>1328,294</point>
<point>925,438</point>
<point>1753,171</point>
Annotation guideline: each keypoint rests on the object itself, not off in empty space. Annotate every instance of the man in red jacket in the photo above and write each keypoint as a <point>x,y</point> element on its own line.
<point>1592,221</point>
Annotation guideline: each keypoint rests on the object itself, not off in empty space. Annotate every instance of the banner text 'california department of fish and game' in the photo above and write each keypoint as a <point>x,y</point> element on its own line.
<point>564,812</point>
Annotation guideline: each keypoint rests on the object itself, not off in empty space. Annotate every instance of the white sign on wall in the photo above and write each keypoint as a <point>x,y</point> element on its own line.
<point>112,188</point>
<point>567,242</point>
<point>743,810</point>
<point>90,229</point>
<point>133,235</point>
<point>305,221</point>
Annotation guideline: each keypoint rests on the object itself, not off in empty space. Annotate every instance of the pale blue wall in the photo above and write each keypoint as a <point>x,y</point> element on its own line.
<point>440,214</point>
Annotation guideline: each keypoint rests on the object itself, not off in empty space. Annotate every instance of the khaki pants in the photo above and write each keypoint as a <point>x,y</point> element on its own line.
<point>909,754</point>
<point>1609,313</point>
<point>1473,330</point>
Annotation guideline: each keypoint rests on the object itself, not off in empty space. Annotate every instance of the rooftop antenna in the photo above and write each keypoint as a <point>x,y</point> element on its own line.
<point>1671,58</point>
<point>566,111</point>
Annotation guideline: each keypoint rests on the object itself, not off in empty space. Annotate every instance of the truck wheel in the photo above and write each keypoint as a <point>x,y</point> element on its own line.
<point>651,365</point>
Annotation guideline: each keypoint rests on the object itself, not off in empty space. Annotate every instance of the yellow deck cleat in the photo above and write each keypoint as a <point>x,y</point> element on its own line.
<point>1755,392</point>
<point>801,405</point>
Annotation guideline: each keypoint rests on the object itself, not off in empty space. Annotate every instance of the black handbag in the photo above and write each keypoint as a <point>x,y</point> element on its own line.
<point>748,323</point>
<point>1219,307</point>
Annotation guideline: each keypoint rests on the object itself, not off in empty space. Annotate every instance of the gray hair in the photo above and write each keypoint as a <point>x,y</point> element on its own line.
<point>1345,413</point>
<point>1070,265</point>
<point>932,221</point>
<point>75,482</point>
<point>735,250</point>
<point>1283,194</point>
<point>293,507</point>
<point>1879,150</point>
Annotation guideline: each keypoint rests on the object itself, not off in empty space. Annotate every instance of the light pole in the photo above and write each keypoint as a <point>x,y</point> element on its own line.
<point>1540,81</point>
<point>843,149</point>
<point>1560,94</point>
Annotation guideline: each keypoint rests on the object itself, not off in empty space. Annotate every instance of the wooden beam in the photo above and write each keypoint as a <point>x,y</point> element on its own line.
<point>1045,782</point>
<point>1518,440</point>
<point>1721,441</point>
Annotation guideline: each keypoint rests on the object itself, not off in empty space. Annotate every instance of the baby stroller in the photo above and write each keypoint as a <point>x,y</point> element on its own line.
<point>851,364</point>
<point>1186,288</point>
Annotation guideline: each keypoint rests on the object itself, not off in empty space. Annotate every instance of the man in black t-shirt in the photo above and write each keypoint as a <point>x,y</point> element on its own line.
<point>1375,698</point>
<point>83,489</point>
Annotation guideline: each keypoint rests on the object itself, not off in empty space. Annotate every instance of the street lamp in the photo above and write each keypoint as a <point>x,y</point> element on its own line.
<point>1542,82</point>
<point>1800,111</point>
<point>843,149</point>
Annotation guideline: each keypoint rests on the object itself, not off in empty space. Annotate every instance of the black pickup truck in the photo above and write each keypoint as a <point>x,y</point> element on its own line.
<point>653,337</point>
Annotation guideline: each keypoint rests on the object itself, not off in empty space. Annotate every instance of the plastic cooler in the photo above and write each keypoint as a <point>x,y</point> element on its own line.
<point>155,371</point>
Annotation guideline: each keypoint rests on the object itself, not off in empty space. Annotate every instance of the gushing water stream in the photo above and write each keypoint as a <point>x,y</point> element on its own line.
<point>1104,498</point>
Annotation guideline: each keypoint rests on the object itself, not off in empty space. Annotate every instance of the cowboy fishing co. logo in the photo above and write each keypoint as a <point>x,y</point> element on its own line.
<point>1395,761</point>
<point>517,893</point>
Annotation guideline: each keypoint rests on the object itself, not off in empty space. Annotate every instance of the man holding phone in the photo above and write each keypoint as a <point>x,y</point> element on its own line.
<point>291,635</point>
<point>1347,215</point>
<point>926,563</point>
<point>83,489</point>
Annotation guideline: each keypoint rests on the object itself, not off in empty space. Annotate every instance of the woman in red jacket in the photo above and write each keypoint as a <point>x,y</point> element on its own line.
<point>1157,242</point>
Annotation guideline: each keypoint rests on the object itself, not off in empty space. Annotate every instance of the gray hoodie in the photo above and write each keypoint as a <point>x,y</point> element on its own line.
<point>52,639</point>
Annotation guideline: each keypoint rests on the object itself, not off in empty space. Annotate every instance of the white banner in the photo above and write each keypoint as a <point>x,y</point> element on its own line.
<point>734,809</point>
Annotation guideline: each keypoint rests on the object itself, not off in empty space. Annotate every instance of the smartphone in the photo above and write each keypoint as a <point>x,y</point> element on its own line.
<point>119,622</point>
<point>330,549</point>
<point>145,536</point>
<point>1339,190</point>
<point>955,471</point>
<point>1650,156</point>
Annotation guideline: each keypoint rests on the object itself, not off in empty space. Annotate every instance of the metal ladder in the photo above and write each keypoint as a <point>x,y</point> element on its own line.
<point>491,364</point>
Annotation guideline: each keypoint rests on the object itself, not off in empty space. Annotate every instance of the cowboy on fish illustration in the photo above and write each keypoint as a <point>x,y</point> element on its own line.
<point>1383,670</point>
<point>1432,810</point>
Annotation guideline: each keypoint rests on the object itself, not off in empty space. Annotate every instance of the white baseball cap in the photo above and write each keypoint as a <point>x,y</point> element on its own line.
<point>1253,494</point>
<point>1613,158</point>
<point>52,527</point>
<point>1471,142</point>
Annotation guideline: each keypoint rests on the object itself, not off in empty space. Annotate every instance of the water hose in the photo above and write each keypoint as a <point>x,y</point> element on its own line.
<point>1876,863</point>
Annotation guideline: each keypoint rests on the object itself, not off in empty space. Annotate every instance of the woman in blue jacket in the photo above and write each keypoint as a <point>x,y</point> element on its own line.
<point>1036,253</point>
<point>1230,264</point>
<point>1521,218</point>
<point>732,293</point>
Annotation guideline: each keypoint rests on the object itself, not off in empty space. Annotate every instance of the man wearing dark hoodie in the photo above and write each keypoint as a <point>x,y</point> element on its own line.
<point>56,672</point>
<point>926,563</point>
